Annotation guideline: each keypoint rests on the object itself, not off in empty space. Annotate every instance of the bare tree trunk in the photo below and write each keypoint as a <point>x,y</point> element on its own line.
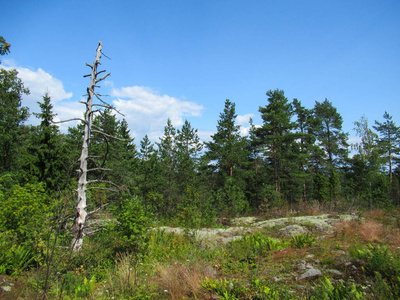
<point>80,209</point>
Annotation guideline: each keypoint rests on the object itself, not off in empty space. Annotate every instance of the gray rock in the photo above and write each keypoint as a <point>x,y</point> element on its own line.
<point>293,230</point>
<point>335,272</point>
<point>310,273</point>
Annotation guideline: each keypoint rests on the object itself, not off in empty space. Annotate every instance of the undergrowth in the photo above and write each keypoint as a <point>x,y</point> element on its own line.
<point>261,265</point>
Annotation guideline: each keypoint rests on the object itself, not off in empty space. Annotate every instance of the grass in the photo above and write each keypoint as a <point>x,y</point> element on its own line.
<point>261,265</point>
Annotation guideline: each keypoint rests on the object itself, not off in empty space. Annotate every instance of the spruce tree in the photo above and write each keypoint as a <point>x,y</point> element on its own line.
<point>227,147</point>
<point>168,159</point>
<point>227,155</point>
<point>48,148</point>
<point>188,148</point>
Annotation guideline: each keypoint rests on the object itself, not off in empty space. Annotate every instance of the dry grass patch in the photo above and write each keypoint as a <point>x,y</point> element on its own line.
<point>183,280</point>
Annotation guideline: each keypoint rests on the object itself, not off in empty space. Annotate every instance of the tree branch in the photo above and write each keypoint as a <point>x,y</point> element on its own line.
<point>99,169</point>
<point>101,181</point>
<point>100,188</point>
<point>69,120</point>
<point>96,210</point>
<point>102,78</point>
<point>110,136</point>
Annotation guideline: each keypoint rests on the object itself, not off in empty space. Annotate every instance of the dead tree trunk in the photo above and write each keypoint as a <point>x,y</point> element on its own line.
<point>80,209</point>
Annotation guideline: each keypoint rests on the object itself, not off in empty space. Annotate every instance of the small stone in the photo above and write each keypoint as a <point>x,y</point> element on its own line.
<point>310,273</point>
<point>335,272</point>
<point>276,279</point>
<point>6,288</point>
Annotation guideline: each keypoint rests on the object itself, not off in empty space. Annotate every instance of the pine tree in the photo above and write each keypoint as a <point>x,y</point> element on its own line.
<point>329,133</point>
<point>275,134</point>
<point>388,142</point>
<point>333,141</point>
<point>306,124</point>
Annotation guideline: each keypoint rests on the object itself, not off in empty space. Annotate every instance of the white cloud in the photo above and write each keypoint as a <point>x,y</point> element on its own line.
<point>245,119</point>
<point>38,82</point>
<point>67,111</point>
<point>146,111</point>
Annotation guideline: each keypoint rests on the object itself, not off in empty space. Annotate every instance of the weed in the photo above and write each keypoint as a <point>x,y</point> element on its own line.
<point>302,240</point>
<point>339,291</point>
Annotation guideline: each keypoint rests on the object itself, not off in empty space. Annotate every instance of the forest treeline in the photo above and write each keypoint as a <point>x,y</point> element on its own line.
<point>297,155</point>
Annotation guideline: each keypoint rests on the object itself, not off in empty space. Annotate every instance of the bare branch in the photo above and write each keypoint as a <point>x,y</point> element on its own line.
<point>105,55</point>
<point>101,181</point>
<point>97,209</point>
<point>69,120</point>
<point>110,136</point>
<point>102,105</point>
<point>102,78</point>
<point>90,66</point>
<point>100,72</point>
<point>94,231</point>
<point>98,169</point>
<point>100,188</point>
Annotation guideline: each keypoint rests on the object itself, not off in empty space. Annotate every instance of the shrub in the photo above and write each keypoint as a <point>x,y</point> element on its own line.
<point>132,226</point>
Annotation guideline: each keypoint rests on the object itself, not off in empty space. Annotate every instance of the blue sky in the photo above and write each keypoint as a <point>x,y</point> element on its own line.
<point>182,59</point>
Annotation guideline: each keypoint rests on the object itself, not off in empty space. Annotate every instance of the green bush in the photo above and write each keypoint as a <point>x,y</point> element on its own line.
<point>24,224</point>
<point>132,226</point>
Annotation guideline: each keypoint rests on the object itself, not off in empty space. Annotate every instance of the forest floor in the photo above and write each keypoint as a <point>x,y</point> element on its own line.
<point>318,256</point>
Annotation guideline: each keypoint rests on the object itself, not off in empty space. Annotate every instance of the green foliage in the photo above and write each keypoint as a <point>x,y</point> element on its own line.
<point>255,244</point>
<point>378,259</point>
<point>339,291</point>
<point>12,115</point>
<point>46,149</point>
<point>276,134</point>
<point>380,263</point>
<point>23,209</point>
<point>4,46</point>
<point>300,241</point>
<point>165,246</point>
<point>14,258</point>
<point>227,149</point>
<point>232,290</point>
<point>132,226</point>
<point>78,286</point>
<point>24,213</point>
<point>194,212</point>
<point>231,198</point>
